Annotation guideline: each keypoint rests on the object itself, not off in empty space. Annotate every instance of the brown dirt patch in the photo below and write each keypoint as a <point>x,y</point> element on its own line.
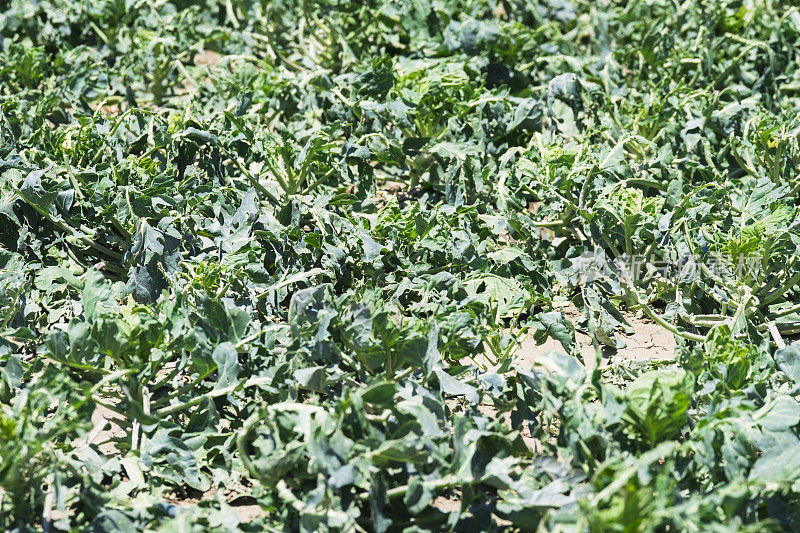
<point>208,58</point>
<point>111,109</point>
<point>388,190</point>
<point>248,513</point>
<point>106,428</point>
<point>649,341</point>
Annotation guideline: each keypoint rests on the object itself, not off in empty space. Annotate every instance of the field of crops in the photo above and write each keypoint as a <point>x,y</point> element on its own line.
<point>395,265</point>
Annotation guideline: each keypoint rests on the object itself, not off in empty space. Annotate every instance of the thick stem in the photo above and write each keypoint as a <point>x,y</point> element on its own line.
<point>242,441</point>
<point>173,409</point>
<point>660,321</point>
<point>447,481</point>
<point>770,298</point>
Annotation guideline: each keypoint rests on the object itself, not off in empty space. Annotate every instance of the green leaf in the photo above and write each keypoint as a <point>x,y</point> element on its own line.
<point>228,367</point>
<point>657,403</point>
<point>782,413</point>
<point>452,387</point>
<point>380,393</point>
<point>418,496</point>
<point>313,378</point>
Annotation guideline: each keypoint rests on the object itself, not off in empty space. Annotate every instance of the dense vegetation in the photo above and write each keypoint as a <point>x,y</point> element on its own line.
<point>283,253</point>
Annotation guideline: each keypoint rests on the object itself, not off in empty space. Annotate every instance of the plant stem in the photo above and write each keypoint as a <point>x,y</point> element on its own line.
<point>173,409</point>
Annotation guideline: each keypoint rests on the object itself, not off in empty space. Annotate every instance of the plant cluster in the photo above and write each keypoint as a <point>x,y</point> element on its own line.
<point>284,254</point>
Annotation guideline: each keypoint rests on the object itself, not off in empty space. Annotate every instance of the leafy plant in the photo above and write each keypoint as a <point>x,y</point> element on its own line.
<point>656,404</point>
<point>297,259</point>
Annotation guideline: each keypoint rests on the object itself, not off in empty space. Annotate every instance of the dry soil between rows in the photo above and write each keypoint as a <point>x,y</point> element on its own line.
<point>648,342</point>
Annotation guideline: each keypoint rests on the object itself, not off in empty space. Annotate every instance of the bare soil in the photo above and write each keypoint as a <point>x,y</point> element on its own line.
<point>649,341</point>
